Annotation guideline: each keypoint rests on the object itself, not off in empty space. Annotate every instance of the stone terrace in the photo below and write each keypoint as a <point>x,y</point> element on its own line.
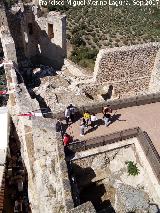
<point>147,117</point>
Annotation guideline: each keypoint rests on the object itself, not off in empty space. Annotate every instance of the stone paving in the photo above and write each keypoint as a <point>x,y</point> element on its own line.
<point>147,117</point>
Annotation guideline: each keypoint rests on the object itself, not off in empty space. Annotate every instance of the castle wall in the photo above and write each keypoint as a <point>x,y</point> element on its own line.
<point>42,150</point>
<point>38,44</point>
<point>3,19</point>
<point>127,69</point>
<point>7,41</point>
<point>8,46</point>
<point>52,49</point>
<point>154,85</point>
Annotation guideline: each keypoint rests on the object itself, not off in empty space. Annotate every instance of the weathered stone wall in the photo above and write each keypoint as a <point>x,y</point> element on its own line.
<point>42,151</point>
<point>30,34</point>
<point>8,46</point>
<point>3,19</point>
<point>21,102</point>
<point>52,50</point>
<point>154,85</point>
<point>127,69</point>
<point>49,50</point>
<point>5,36</point>
<point>108,165</point>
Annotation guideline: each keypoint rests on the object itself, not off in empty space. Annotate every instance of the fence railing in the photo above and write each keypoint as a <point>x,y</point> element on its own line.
<point>143,138</point>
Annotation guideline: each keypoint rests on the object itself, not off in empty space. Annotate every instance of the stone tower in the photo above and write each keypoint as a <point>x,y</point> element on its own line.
<point>58,22</point>
<point>44,36</point>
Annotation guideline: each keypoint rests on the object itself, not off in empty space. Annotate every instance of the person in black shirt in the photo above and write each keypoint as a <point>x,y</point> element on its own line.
<point>107,118</point>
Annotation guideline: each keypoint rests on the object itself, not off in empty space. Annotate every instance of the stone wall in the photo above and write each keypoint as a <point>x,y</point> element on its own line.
<point>30,34</point>
<point>52,50</point>
<point>154,85</point>
<point>127,69</point>
<point>107,164</point>
<point>20,102</point>
<point>42,150</point>
<point>3,19</point>
<point>5,36</point>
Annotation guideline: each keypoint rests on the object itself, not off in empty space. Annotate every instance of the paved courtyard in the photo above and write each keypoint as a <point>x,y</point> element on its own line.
<point>147,117</point>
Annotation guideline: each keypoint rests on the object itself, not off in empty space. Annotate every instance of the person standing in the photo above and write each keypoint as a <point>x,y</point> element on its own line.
<point>67,114</point>
<point>93,120</point>
<point>66,139</point>
<point>107,109</point>
<point>59,127</point>
<point>72,113</point>
<point>82,127</point>
<point>106,118</point>
<point>87,117</point>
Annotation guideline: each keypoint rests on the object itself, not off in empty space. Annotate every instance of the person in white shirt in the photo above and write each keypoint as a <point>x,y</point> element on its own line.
<point>67,114</point>
<point>93,120</point>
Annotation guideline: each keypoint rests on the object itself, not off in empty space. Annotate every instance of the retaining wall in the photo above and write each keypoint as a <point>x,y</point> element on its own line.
<point>128,69</point>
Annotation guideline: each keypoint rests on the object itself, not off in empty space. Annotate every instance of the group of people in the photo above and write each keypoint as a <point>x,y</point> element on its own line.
<point>88,119</point>
<point>92,119</point>
<point>69,114</point>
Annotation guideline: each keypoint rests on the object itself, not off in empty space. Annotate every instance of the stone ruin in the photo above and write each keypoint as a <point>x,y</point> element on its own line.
<point>101,176</point>
<point>34,44</point>
<point>37,42</point>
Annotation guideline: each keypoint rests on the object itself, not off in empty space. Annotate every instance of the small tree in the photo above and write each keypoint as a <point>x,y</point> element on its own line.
<point>132,168</point>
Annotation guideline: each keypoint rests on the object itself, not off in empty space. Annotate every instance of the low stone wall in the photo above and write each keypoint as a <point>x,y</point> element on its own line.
<point>145,142</point>
<point>115,104</point>
<point>67,197</point>
<point>18,92</point>
<point>128,69</point>
<point>66,187</point>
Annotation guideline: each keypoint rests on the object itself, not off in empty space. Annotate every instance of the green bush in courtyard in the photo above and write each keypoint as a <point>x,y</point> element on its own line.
<point>132,168</point>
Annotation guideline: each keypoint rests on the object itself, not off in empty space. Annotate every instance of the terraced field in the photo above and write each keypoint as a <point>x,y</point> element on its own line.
<point>101,27</point>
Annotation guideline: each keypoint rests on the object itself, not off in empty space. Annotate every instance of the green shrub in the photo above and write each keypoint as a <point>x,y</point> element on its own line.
<point>77,40</point>
<point>68,36</point>
<point>95,40</point>
<point>132,168</point>
<point>84,56</point>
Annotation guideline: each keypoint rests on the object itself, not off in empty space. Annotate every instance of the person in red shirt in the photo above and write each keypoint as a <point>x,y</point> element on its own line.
<point>66,139</point>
